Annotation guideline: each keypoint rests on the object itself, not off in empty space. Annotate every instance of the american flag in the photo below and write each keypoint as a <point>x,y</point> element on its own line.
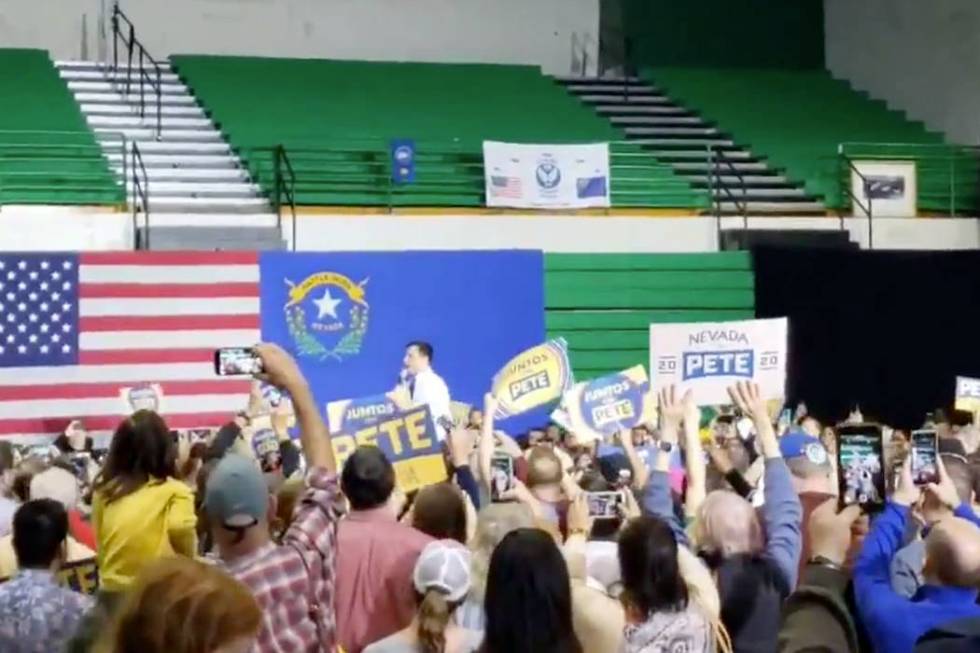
<point>509,187</point>
<point>75,329</point>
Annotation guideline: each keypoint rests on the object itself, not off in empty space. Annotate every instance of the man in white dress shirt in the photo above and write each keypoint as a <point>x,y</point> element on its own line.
<point>425,386</point>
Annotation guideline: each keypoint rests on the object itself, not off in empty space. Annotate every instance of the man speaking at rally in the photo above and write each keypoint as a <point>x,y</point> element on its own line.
<point>424,386</point>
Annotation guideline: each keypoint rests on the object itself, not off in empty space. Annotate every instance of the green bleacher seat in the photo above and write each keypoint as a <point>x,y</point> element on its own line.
<point>603,304</point>
<point>336,118</point>
<point>48,154</point>
<point>799,118</point>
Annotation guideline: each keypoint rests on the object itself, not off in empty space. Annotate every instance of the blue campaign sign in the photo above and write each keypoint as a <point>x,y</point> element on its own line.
<point>403,161</point>
<point>348,316</point>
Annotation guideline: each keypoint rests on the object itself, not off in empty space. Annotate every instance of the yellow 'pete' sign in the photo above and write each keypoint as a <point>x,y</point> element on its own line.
<point>535,377</point>
<point>407,437</point>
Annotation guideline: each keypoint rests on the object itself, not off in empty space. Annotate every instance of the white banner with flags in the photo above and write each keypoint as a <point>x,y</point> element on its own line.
<point>707,357</point>
<point>529,176</point>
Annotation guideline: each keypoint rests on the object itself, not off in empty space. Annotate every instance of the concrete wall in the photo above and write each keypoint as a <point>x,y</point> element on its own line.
<point>485,31</point>
<point>59,228</point>
<point>919,56</point>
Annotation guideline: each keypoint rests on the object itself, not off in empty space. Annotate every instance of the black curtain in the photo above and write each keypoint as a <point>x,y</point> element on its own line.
<point>888,331</point>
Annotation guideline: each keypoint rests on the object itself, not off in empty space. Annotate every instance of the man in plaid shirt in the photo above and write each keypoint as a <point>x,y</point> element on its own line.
<point>294,582</point>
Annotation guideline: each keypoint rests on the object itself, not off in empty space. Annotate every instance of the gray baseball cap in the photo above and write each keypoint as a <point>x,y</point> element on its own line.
<point>237,495</point>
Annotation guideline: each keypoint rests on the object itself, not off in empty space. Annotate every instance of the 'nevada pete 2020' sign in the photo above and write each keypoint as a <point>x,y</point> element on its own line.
<point>707,357</point>
<point>407,437</point>
<point>609,404</point>
<point>536,377</point>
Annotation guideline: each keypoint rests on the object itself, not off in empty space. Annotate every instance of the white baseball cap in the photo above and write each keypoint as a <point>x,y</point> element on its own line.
<point>443,565</point>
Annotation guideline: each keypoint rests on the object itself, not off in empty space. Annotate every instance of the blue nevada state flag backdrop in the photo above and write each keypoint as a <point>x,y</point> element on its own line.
<point>348,316</point>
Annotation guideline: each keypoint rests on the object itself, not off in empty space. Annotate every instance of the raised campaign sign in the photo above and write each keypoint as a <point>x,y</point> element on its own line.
<point>609,404</point>
<point>407,437</point>
<point>536,377</point>
<point>707,357</point>
<point>968,394</point>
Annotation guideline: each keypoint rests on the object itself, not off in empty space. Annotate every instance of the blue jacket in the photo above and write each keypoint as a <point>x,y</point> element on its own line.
<point>893,622</point>
<point>752,588</point>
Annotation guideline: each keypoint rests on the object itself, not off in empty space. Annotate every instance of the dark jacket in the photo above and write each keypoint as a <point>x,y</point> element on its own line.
<point>815,616</point>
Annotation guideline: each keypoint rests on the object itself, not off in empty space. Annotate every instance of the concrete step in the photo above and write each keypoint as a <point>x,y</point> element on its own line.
<point>99,65</point>
<point>209,205</point>
<point>680,144</point>
<point>743,167</point>
<point>607,87</point>
<point>109,87</point>
<point>633,99</point>
<point>116,122</point>
<point>697,155</point>
<point>175,147</point>
<point>771,181</point>
<point>127,108</point>
<point>178,189</point>
<point>643,110</point>
<point>659,120</point>
<point>193,175</point>
<point>186,161</point>
<point>120,75</point>
<point>113,97</point>
<point>578,79</point>
<point>148,133</point>
<point>672,131</point>
<point>160,237</point>
<point>764,194</point>
<point>668,136</point>
<point>782,208</point>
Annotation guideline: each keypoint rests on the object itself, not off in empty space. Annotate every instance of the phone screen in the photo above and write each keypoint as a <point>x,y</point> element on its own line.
<point>233,361</point>
<point>501,476</point>
<point>860,468</point>
<point>924,466</point>
<point>602,505</point>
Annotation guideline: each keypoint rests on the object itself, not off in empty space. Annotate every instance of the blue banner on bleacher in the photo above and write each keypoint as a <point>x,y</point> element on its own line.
<point>402,161</point>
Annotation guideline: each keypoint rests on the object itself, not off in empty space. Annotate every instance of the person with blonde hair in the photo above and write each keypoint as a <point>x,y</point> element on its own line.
<point>179,605</point>
<point>442,580</point>
<point>493,523</point>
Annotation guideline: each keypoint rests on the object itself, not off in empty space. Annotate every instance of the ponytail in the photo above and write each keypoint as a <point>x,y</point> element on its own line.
<point>434,612</point>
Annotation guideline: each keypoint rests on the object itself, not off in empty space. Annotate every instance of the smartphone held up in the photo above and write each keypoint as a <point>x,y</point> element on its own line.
<point>860,466</point>
<point>237,361</point>
<point>925,451</point>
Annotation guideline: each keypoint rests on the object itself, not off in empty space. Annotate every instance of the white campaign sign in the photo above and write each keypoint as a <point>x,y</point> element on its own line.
<point>707,357</point>
<point>546,176</point>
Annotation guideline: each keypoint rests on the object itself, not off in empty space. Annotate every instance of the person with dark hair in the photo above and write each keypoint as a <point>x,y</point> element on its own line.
<point>376,554</point>
<point>441,580</point>
<point>440,512</point>
<point>424,386</point>
<point>528,600</point>
<point>294,583</point>
<point>7,505</point>
<point>659,614</point>
<point>140,510</point>
<point>36,613</point>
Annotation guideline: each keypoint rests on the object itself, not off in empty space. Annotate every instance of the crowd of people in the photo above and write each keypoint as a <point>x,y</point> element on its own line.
<point>725,536</point>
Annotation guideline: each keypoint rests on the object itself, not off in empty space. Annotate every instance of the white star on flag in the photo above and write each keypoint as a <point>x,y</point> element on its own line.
<point>327,305</point>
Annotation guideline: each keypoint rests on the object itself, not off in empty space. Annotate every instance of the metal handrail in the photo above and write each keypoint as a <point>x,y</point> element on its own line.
<point>716,159</point>
<point>855,200</point>
<point>141,199</point>
<point>282,188</point>
<point>134,45</point>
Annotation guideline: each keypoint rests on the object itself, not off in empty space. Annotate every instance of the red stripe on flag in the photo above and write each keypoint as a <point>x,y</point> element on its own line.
<point>144,356</point>
<point>169,258</point>
<point>157,290</point>
<point>167,322</point>
<point>30,426</point>
<point>109,390</point>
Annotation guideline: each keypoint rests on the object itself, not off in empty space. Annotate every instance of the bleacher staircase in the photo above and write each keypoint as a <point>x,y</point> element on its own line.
<point>200,196</point>
<point>680,137</point>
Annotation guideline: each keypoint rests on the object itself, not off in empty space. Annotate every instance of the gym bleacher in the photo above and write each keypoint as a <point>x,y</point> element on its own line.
<point>336,118</point>
<point>48,154</point>
<point>799,119</point>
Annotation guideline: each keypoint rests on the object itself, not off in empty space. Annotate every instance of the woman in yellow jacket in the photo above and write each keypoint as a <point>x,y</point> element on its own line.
<point>140,511</point>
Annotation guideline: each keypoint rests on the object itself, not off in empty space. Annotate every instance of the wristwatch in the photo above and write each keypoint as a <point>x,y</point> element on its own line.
<point>824,561</point>
<point>666,447</point>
